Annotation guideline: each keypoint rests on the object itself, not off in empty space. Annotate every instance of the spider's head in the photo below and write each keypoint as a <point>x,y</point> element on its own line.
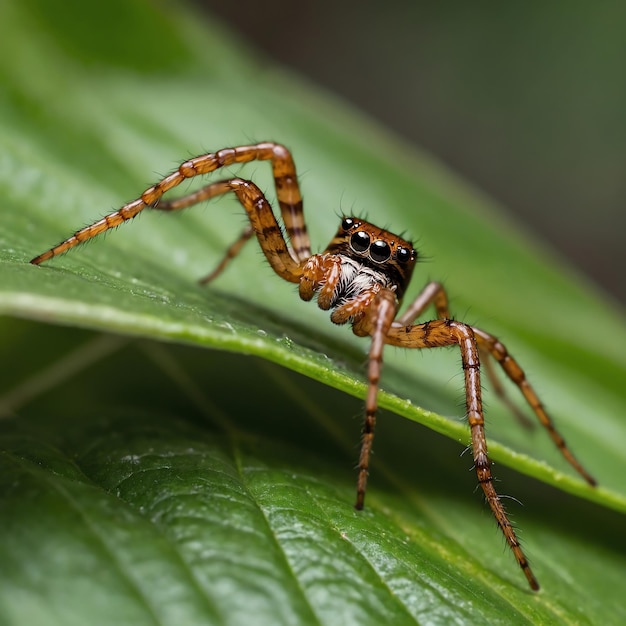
<point>377,249</point>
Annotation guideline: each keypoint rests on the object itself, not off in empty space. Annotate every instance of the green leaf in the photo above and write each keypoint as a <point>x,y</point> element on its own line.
<point>148,483</point>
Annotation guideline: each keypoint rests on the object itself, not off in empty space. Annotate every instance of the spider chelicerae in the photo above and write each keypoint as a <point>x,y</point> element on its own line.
<point>361,276</point>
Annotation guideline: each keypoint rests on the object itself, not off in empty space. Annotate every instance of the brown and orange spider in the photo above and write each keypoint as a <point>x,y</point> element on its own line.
<point>361,277</point>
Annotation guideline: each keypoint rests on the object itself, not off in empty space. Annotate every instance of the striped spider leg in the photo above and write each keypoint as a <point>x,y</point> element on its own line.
<point>361,278</point>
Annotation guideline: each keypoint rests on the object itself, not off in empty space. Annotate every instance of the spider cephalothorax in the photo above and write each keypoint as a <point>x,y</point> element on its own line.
<point>361,260</point>
<point>361,276</point>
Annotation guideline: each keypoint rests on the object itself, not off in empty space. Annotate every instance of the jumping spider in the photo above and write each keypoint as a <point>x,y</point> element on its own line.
<point>361,277</point>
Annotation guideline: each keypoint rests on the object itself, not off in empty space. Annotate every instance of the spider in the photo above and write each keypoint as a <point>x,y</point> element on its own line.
<point>361,277</point>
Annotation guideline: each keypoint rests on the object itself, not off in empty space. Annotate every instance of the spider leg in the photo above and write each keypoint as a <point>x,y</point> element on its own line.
<point>376,322</point>
<point>262,223</point>
<point>440,333</point>
<point>500,391</point>
<point>290,202</point>
<point>434,293</point>
<point>267,230</point>
<point>513,370</point>
<point>233,250</point>
<point>285,180</point>
<point>206,193</point>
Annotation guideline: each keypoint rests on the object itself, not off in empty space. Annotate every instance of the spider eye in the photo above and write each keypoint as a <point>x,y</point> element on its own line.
<point>360,241</point>
<point>347,223</point>
<point>403,255</point>
<point>380,251</point>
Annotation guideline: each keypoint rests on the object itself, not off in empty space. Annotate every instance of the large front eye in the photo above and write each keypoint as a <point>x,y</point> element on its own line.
<point>360,241</point>
<point>380,251</point>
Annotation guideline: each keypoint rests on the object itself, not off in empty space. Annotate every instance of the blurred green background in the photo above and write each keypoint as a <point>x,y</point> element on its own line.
<point>527,100</point>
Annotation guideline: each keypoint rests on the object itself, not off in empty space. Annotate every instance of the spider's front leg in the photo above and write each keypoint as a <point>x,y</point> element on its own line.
<point>371,312</point>
<point>285,257</point>
<point>442,333</point>
<point>377,313</point>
